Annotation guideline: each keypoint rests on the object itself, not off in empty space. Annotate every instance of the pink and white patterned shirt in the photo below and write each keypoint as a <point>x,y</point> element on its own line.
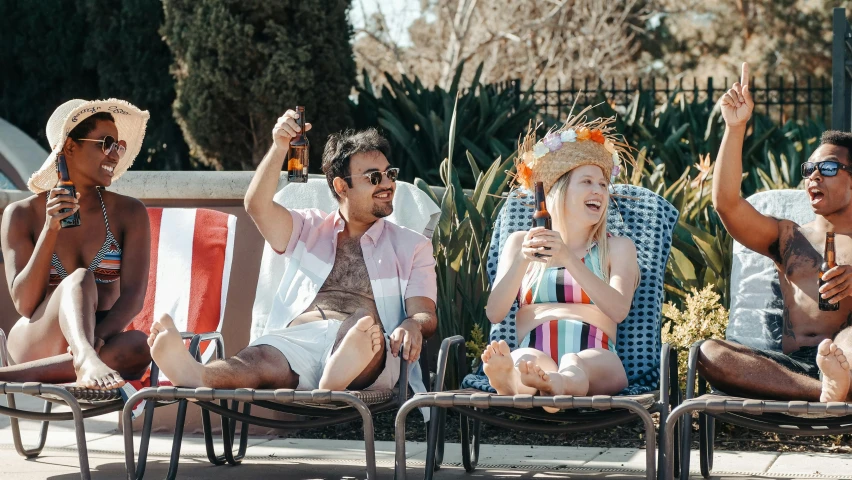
<point>399,262</point>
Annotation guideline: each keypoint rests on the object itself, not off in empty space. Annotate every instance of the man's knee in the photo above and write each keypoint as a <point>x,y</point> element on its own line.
<point>269,365</point>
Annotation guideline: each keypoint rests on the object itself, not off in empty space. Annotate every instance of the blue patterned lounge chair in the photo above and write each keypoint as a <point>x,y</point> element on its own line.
<point>649,221</point>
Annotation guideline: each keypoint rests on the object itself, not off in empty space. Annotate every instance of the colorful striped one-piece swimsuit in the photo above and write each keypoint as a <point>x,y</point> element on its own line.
<point>558,337</point>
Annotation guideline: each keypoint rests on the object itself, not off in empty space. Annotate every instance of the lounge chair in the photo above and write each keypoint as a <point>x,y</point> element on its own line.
<point>413,209</point>
<point>755,321</point>
<point>173,232</point>
<point>651,367</point>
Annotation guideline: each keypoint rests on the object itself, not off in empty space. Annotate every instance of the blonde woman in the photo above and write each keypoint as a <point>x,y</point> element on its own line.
<point>575,283</point>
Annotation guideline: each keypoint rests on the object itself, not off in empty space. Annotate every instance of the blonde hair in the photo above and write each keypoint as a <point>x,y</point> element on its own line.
<point>555,199</point>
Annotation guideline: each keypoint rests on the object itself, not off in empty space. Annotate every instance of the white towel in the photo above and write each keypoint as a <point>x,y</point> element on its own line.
<point>756,305</point>
<point>412,208</point>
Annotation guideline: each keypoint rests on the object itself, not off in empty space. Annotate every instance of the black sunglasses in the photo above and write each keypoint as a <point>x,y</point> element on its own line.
<point>376,177</point>
<point>827,168</point>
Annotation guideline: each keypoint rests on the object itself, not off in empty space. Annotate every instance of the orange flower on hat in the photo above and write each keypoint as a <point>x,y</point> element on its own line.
<point>524,175</point>
<point>597,136</point>
<point>583,133</point>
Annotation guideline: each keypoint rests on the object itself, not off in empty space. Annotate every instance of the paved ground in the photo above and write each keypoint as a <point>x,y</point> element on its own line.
<point>337,459</point>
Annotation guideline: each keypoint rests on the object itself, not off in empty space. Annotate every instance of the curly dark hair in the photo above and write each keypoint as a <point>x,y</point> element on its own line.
<point>838,139</point>
<point>340,148</point>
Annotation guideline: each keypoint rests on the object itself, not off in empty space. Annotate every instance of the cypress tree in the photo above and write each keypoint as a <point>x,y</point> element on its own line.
<point>240,64</point>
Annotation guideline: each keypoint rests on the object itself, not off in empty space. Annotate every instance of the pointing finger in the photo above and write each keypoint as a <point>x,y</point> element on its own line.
<point>744,76</point>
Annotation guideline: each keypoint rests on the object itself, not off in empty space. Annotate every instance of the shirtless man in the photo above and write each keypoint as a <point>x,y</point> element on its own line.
<point>813,341</point>
<point>351,276</point>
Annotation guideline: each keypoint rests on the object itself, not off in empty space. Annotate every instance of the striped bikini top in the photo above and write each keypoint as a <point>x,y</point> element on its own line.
<point>555,284</point>
<point>106,266</point>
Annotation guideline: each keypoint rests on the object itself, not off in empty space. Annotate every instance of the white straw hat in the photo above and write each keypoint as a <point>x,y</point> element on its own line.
<point>129,120</point>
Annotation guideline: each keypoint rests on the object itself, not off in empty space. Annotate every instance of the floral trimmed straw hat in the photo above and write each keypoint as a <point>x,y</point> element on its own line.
<point>130,121</point>
<point>576,143</point>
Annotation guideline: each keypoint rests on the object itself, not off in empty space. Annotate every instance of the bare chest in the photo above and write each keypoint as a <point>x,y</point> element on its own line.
<point>349,273</point>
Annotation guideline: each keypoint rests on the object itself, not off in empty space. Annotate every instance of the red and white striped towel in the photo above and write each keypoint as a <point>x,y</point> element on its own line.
<point>191,254</point>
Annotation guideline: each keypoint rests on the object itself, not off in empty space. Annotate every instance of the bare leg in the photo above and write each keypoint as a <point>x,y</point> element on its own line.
<point>359,345</point>
<point>127,353</point>
<point>738,370</point>
<point>595,371</point>
<point>260,366</point>
<point>71,308</point>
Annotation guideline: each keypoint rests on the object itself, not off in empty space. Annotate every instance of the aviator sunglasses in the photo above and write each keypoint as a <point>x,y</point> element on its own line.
<point>827,168</point>
<point>376,177</point>
<point>109,145</point>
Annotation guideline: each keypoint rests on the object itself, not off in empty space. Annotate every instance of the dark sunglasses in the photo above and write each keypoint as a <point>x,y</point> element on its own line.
<point>827,168</point>
<point>376,177</point>
<point>108,145</point>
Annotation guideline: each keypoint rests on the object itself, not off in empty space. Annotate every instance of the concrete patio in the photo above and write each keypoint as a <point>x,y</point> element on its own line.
<point>273,457</point>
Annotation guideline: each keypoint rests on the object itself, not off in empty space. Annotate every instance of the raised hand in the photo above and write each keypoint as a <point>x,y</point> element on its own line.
<point>736,103</point>
<point>286,128</point>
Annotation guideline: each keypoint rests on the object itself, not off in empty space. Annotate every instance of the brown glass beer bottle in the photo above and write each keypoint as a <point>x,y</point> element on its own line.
<point>66,183</point>
<point>828,263</point>
<point>541,217</point>
<point>298,156</point>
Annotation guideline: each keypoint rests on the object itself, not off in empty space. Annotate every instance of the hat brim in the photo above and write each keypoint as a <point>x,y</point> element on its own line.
<point>130,121</point>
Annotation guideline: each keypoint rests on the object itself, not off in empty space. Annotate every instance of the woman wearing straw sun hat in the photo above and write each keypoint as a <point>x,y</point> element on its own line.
<point>575,283</point>
<point>77,289</point>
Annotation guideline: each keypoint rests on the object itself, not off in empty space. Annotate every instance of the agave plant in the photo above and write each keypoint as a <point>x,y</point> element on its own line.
<point>461,241</point>
<point>418,121</point>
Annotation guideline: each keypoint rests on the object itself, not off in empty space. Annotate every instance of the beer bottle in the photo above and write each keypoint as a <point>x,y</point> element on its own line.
<point>541,218</point>
<point>66,183</point>
<point>828,263</point>
<point>297,157</point>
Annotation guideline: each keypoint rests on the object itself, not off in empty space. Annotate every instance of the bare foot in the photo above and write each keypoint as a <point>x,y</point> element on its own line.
<point>360,344</point>
<point>500,368</point>
<point>171,355</point>
<point>835,372</point>
<point>547,383</point>
<point>95,374</point>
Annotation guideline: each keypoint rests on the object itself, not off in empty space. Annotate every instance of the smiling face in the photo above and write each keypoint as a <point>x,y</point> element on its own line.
<point>829,195</point>
<point>586,196</point>
<point>87,163</point>
<point>364,201</point>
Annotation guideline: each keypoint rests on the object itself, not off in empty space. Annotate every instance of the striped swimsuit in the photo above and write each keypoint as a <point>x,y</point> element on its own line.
<point>558,337</point>
<point>106,266</point>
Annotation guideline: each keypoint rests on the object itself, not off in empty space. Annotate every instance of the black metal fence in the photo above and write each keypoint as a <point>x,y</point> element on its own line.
<point>782,99</point>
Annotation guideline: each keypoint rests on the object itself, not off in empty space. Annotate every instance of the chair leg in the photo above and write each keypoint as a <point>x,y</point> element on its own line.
<point>146,438</point>
<point>174,461</point>
<point>207,428</point>
<point>442,439</point>
<point>711,441</point>
<point>685,445</point>
<point>16,431</point>
<point>469,442</point>
<point>229,430</point>
<point>705,436</point>
<point>432,433</point>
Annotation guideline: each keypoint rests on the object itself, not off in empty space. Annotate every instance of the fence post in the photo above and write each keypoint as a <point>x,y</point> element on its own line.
<point>841,87</point>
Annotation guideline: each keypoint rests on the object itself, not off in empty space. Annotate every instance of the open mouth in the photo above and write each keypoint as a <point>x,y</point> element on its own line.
<point>108,168</point>
<point>594,205</point>
<point>386,195</point>
<point>816,195</point>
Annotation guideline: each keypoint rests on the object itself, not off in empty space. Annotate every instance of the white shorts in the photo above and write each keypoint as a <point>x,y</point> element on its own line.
<point>308,348</point>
